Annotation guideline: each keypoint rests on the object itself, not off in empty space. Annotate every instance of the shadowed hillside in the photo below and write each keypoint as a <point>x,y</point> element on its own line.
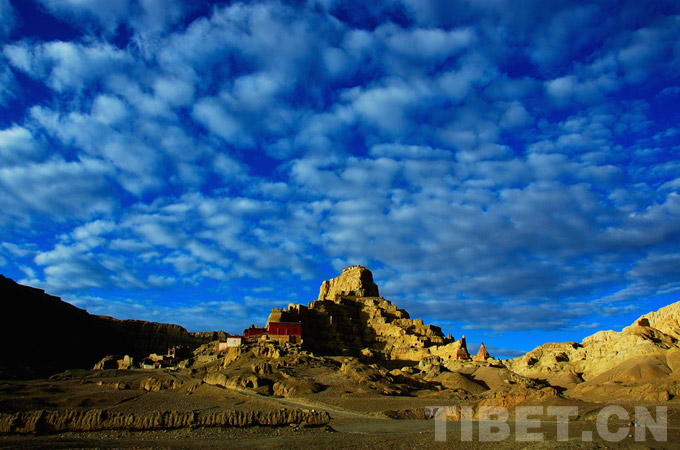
<point>42,334</point>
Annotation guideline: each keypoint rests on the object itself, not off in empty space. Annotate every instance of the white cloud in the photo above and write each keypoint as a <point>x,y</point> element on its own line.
<point>160,281</point>
<point>337,62</point>
<point>561,89</point>
<point>229,168</point>
<point>457,84</point>
<point>21,57</point>
<point>516,116</point>
<point>650,47</point>
<point>67,66</point>
<point>409,152</point>
<point>91,232</point>
<point>138,162</point>
<point>388,106</point>
<point>229,315</point>
<point>257,91</point>
<point>57,188</point>
<point>467,235</point>
<point>184,264</point>
<point>69,268</point>
<point>17,144</point>
<point>432,151</point>
<point>109,110</point>
<point>153,17</point>
<point>427,44</point>
<point>211,114</point>
<point>157,233</point>
<point>137,149</point>
<point>175,91</point>
<point>153,107</point>
<point>673,185</point>
<point>18,251</point>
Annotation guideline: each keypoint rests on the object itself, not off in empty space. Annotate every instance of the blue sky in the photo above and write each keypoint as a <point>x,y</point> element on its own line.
<point>509,173</point>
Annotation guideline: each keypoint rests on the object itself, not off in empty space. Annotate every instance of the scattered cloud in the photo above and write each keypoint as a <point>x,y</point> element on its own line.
<point>500,168</point>
<point>66,66</point>
<point>17,145</point>
<point>56,187</point>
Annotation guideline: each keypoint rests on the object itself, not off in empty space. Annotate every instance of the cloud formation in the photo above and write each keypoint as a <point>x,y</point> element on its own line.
<point>499,168</point>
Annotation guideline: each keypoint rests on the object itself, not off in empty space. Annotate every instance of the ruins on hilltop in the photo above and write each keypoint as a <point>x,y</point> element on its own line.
<point>349,317</point>
<point>282,332</point>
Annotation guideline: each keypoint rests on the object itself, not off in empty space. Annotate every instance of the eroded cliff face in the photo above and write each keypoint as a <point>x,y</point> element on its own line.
<point>48,422</point>
<point>142,337</point>
<point>350,318</point>
<point>666,320</point>
<point>640,362</point>
<point>48,335</point>
<point>355,281</point>
<point>595,354</point>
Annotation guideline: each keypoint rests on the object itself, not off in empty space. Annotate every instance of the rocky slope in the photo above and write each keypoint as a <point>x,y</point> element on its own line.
<point>43,334</point>
<point>283,370</point>
<point>640,362</point>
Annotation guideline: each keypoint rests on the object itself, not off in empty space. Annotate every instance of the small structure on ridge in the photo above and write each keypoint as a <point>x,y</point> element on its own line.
<point>482,354</point>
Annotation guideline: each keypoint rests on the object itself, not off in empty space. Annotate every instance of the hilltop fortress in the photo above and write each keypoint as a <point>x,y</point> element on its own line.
<point>351,318</point>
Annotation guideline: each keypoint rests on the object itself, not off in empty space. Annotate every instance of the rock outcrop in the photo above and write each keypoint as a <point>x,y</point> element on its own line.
<point>636,363</point>
<point>666,320</point>
<point>284,370</point>
<point>354,281</point>
<point>115,362</point>
<point>349,318</point>
<point>56,335</point>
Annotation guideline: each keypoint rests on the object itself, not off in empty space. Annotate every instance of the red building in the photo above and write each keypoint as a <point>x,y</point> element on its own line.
<point>278,331</point>
<point>285,331</point>
<point>253,333</point>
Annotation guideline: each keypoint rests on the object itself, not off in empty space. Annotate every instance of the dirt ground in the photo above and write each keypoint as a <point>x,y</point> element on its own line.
<point>358,421</point>
<point>348,434</point>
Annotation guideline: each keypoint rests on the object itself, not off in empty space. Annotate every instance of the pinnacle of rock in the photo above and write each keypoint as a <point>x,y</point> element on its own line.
<point>353,281</point>
<point>482,354</point>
